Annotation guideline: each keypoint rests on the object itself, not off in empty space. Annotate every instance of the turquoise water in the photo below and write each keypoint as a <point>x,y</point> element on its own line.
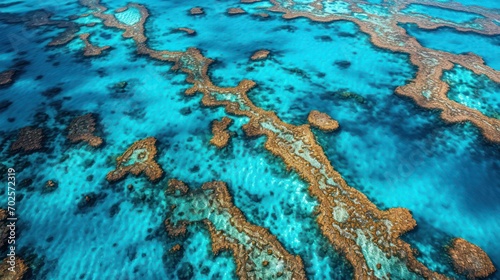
<point>474,91</point>
<point>449,40</point>
<point>477,3</point>
<point>386,147</point>
<point>440,13</point>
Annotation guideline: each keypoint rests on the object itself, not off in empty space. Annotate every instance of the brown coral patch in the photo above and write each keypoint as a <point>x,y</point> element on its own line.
<point>196,11</point>
<point>19,271</point>
<point>189,31</point>
<point>470,260</point>
<point>91,50</point>
<point>235,11</point>
<point>258,240</point>
<point>82,128</point>
<point>138,158</point>
<point>7,77</point>
<point>220,133</point>
<point>28,140</point>
<point>262,15</point>
<point>176,248</point>
<point>322,121</point>
<point>260,55</point>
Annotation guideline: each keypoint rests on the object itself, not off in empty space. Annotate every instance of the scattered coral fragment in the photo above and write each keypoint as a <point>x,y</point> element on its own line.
<point>188,31</point>
<point>196,11</point>
<point>260,55</point>
<point>322,121</point>
<point>235,11</point>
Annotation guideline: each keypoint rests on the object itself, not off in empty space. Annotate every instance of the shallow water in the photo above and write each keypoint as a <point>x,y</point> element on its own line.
<point>387,147</point>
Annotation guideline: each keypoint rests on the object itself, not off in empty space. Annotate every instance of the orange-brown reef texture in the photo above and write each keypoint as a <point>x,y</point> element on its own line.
<point>469,259</point>
<point>189,31</point>
<point>322,121</point>
<point>367,236</point>
<point>260,55</point>
<point>28,140</point>
<point>427,88</point>
<point>91,50</point>
<point>82,128</point>
<point>138,158</point>
<point>221,135</point>
<point>236,11</point>
<point>196,11</point>
<point>19,271</point>
<point>258,254</point>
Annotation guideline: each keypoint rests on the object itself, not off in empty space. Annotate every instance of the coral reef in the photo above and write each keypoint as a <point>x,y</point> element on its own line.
<point>220,133</point>
<point>176,248</point>
<point>322,121</point>
<point>20,270</point>
<point>235,11</point>
<point>349,220</point>
<point>6,77</point>
<point>196,11</point>
<point>82,128</point>
<point>138,158</point>
<point>189,31</point>
<point>91,50</point>
<point>43,18</point>
<point>28,140</point>
<point>260,55</point>
<point>383,27</point>
<point>50,186</point>
<point>469,259</point>
<point>258,254</point>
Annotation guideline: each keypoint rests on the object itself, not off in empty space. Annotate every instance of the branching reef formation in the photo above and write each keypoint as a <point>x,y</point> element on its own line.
<point>91,50</point>
<point>257,253</point>
<point>380,22</point>
<point>368,237</point>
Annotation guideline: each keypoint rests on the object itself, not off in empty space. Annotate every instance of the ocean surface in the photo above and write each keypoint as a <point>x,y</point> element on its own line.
<point>388,147</point>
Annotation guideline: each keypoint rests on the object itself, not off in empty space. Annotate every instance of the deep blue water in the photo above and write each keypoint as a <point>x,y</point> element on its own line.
<point>393,151</point>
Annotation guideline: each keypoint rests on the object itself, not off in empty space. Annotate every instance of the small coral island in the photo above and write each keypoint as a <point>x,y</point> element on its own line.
<point>260,55</point>
<point>322,121</point>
